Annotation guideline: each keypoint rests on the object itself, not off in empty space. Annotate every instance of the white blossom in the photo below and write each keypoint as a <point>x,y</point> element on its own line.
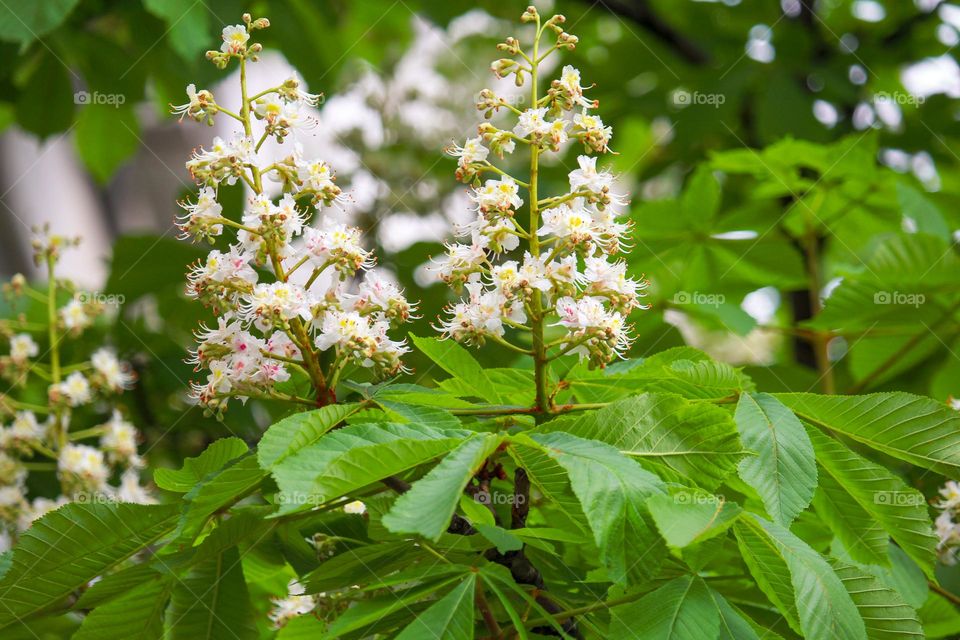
<point>22,347</point>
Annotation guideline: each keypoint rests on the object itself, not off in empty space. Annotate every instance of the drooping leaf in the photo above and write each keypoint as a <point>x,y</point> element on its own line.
<point>682,609</point>
<point>697,441</point>
<point>687,516</point>
<point>426,509</point>
<point>912,428</point>
<point>884,612</point>
<point>783,471</point>
<point>798,580</point>
<point>106,136</point>
<point>900,510</point>
<point>449,618</point>
<point>457,361</point>
<point>213,458</point>
<point>299,431</point>
<point>354,457</point>
<point>68,547</point>
<point>137,614</point>
<point>212,602</point>
<point>612,491</point>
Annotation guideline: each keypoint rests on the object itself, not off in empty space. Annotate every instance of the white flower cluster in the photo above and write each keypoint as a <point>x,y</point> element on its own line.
<point>569,272</point>
<point>32,444</point>
<point>285,312</point>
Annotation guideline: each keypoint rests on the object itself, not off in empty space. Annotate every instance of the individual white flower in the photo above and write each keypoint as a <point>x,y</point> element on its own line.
<point>570,221</point>
<point>588,177</point>
<point>130,489</point>
<point>235,39</point>
<point>82,467</point>
<point>23,432</point>
<point>377,294</point>
<point>295,604</point>
<point>338,245</point>
<point>459,262</point>
<point>533,121</point>
<point>571,89</point>
<point>356,507</point>
<point>75,389</point>
<point>602,276</point>
<point>198,106</point>
<point>497,195</point>
<point>594,134</point>
<point>202,218</point>
<point>950,495</point>
<point>471,152</point>
<point>12,472</point>
<point>481,315</point>
<point>74,316</point>
<point>275,302</point>
<point>948,534</point>
<point>116,375</point>
<point>119,439</point>
<point>595,332</point>
<point>22,347</point>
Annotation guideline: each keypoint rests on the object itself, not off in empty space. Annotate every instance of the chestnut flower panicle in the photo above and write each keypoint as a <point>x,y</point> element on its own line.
<point>569,278</point>
<point>37,437</point>
<point>286,317</point>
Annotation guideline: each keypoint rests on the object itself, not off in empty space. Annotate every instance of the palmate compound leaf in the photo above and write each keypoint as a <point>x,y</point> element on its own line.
<point>783,471</point>
<point>426,509</point>
<point>68,547</point>
<point>354,457</point>
<point>917,430</point>
<point>666,433</point>
<point>885,499</point>
<point>612,490</point>
<point>682,609</point>
<point>884,612</point>
<point>798,580</point>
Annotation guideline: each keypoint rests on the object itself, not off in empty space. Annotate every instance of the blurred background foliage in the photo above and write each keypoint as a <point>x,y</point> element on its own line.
<point>791,165</point>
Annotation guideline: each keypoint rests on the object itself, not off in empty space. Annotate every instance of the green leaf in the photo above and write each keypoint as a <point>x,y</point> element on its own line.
<point>136,615</point>
<point>884,612</point>
<point>217,491</point>
<point>697,441</point>
<point>733,626</point>
<point>449,618</point>
<point>428,416</point>
<point>46,102</point>
<point>367,615</point>
<point>213,458</point>
<point>188,26</point>
<point>887,500</point>
<point>354,457</point>
<point>688,516</point>
<point>798,581</point>
<point>211,602</point>
<point>612,490</point>
<point>912,428</point>
<point>426,509</point>
<point>24,22</point>
<point>856,529</point>
<point>296,432</point>
<point>784,471</point>
<point>106,136</point>
<point>922,211</point>
<point>682,609</point>
<point>701,199</point>
<point>458,362</point>
<point>68,547</point>
<point>503,539</point>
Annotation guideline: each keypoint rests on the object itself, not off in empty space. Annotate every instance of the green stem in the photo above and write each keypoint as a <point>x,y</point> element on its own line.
<point>59,430</point>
